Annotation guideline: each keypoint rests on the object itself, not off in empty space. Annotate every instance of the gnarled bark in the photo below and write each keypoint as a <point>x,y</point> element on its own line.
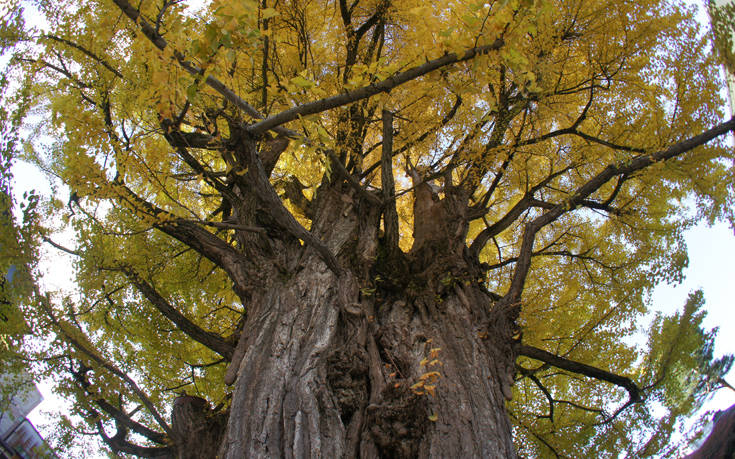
<point>399,356</point>
<point>324,379</point>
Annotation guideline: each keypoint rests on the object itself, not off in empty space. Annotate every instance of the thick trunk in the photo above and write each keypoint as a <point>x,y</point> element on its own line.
<point>398,355</point>
<point>335,370</point>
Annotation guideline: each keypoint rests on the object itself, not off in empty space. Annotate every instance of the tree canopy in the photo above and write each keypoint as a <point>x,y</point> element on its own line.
<point>556,148</point>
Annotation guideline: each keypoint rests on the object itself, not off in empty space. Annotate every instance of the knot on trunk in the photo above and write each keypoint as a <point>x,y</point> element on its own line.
<point>197,429</point>
<point>399,422</point>
<point>347,374</point>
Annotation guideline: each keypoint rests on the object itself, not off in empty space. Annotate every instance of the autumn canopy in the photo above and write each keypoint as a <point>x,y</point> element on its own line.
<point>363,228</point>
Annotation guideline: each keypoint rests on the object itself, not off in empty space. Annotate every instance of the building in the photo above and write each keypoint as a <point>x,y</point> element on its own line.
<point>19,439</point>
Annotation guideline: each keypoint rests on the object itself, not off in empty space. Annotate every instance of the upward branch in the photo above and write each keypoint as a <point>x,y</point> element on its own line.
<point>262,187</point>
<point>577,199</point>
<point>390,215</point>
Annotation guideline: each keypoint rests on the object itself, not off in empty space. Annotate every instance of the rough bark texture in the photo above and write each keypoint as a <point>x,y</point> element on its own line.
<point>316,380</point>
<point>196,428</point>
<point>332,361</point>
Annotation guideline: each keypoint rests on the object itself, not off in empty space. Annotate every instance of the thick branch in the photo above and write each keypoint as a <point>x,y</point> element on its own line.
<point>368,91</point>
<point>118,444</point>
<point>352,181</point>
<point>264,190</point>
<point>117,414</point>
<point>580,368</point>
<point>124,419</point>
<point>390,215</point>
<point>209,245</point>
<point>720,443</point>
<point>180,143</point>
<point>195,332</point>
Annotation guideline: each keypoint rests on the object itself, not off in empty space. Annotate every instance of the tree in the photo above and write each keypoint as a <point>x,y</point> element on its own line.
<point>361,228</point>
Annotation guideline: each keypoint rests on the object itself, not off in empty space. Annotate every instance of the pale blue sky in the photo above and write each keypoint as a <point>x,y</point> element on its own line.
<point>711,268</point>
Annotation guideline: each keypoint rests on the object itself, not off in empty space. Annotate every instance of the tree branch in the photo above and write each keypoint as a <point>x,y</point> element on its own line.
<point>625,167</point>
<point>529,374</point>
<point>526,202</point>
<point>85,51</point>
<point>352,181</point>
<point>364,92</point>
<point>60,247</point>
<point>195,332</point>
<point>46,305</point>
<point>447,117</point>
<point>262,187</point>
<point>118,443</point>
<point>191,234</point>
<point>118,415</point>
<point>160,43</point>
<point>634,393</point>
<point>390,215</point>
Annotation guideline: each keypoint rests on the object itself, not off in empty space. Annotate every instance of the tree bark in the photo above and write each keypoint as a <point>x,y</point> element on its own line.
<point>342,365</point>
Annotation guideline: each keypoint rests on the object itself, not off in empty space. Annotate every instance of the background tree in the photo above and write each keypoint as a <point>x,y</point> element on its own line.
<point>356,228</point>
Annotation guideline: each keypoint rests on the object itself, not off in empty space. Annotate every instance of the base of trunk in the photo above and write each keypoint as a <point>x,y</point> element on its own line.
<point>338,371</point>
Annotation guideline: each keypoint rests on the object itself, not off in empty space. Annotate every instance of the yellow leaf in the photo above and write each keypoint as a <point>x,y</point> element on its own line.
<point>269,13</point>
<point>432,375</point>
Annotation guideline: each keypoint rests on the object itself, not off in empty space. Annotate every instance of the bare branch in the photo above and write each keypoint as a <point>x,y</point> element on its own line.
<point>60,247</point>
<point>529,374</point>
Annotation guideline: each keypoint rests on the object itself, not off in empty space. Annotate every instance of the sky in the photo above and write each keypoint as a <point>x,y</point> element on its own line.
<point>711,268</point>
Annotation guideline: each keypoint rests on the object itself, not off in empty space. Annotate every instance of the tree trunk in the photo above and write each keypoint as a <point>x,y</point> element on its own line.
<point>343,366</point>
